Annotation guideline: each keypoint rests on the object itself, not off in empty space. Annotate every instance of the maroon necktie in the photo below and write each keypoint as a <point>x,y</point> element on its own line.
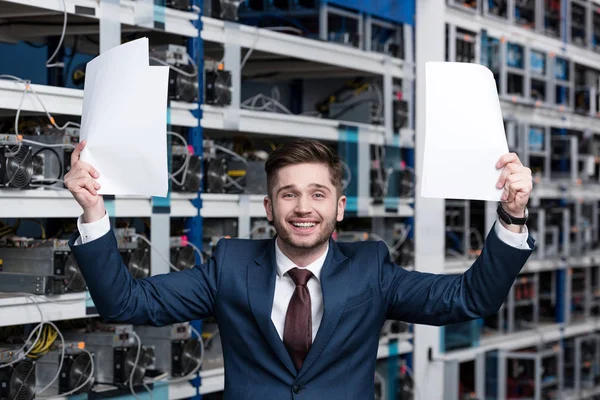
<point>297,334</point>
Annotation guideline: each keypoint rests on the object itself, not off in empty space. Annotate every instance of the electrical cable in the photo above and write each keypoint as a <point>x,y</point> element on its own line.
<point>28,87</point>
<point>184,166</point>
<point>137,235</point>
<point>37,328</point>
<point>60,42</point>
<point>62,357</point>
<point>179,70</point>
<point>71,392</point>
<point>135,363</point>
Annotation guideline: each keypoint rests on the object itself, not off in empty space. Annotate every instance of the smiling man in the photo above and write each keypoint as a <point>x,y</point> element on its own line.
<point>300,314</point>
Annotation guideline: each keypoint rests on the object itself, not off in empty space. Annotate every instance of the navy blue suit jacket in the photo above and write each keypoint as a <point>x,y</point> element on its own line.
<point>361,287</point>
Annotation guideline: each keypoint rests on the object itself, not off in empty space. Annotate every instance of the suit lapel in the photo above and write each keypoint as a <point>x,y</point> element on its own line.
<point>335,281</point>
<point>261,289</point>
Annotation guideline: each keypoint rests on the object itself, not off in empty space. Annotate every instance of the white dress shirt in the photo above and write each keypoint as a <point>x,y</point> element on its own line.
<point>284,285</point>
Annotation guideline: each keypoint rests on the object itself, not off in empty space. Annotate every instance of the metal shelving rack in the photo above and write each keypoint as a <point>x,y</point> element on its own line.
<point>547,84</point>
<point>196,117</point>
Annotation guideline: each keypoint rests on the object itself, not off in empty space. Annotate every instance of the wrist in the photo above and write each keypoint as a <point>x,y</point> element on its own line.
<point>515,213</point>
<point>93,214</point>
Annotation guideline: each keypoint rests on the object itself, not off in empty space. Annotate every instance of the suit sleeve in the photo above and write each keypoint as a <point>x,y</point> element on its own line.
<point>437,299</point>
<point>157,300</point>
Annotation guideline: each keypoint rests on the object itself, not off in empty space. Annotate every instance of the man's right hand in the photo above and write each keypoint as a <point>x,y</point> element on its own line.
<point>81,182</point>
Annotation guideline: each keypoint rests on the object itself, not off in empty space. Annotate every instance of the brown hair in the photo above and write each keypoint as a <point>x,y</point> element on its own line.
<point>301,152</point>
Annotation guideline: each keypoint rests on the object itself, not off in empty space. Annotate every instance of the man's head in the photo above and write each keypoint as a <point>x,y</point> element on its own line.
<point>305,199</point>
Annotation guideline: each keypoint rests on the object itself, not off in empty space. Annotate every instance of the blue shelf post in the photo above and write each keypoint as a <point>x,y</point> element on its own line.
<point>194,225</point>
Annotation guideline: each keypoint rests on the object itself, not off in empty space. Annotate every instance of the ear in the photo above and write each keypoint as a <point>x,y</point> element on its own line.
<point>268,208</point>
<point>341,208</point>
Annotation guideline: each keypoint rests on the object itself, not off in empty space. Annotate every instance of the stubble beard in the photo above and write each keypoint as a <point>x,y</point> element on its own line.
<point>283,232</point>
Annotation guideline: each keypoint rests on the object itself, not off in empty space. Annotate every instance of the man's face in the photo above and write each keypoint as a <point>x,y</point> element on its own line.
<point>304,205</point>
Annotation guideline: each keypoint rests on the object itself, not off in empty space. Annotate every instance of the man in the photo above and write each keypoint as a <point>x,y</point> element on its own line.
<point>300,315</point>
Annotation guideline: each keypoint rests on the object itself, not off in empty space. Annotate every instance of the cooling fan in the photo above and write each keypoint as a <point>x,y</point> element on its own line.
<point>216,175</point>
<point>139,261</point>
<point>183,257</point>
<point>73,278</point>
<point>17,382</point>
<point>218,87</point>
<point>193,173</point>
<point>185,356</point>
<point>76,370</point>
<point>191,356</point>
<point>16,166</point>
<point>146,360</point>
<point>182,87</point>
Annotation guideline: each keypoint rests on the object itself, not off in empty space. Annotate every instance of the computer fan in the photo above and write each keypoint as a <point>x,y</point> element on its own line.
<point>73,278</point>
<point>216,175</point>
<point>218,87</point>
<point>139,261</point>
<point>185,356</point>
<point>190,179</point>
<point>183,257</point>
<point>183,87</point>
<point>16,166</point>
<point>17,382</point>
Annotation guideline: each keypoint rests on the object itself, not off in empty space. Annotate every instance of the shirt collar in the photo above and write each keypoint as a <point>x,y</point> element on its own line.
<point>284,264</point>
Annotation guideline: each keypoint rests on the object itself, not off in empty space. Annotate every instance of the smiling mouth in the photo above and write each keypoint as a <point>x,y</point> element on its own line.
<point>304,225</point>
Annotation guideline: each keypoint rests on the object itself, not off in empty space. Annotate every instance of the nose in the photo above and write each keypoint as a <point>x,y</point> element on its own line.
<point>303,205</point>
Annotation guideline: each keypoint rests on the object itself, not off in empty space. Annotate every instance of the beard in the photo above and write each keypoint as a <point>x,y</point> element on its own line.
<point>326,229</point>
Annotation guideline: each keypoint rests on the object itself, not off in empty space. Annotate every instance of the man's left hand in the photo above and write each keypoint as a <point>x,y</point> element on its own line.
<point>517,183</point>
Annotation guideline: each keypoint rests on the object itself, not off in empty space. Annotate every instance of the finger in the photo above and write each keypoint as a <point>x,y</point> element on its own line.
<point>521,187</point>
<point>82,165</point>
<point>516,183</point>
<point>88,184</point>
<point>76,174</point>
<point>506,172</point>
<point>77,152</point>
<point>508,158</point>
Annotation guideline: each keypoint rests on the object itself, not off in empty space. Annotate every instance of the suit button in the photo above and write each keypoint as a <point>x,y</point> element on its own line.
<point>296,389</point>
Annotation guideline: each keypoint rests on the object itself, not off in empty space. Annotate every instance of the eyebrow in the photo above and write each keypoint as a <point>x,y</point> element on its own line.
<point>317,185</point>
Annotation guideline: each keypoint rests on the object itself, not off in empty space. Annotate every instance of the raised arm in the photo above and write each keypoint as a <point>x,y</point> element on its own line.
<point>158,300</point>
<point>437,299</point>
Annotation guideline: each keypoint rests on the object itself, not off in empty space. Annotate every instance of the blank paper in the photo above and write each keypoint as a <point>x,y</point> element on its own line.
<point>125,121</point>
<point>464,133</point>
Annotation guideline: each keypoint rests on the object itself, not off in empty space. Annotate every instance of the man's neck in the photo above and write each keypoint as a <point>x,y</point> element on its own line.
<point>302,257</point>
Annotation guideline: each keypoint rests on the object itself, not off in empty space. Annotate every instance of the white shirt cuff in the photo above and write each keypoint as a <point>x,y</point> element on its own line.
<point>518,240</point>
<point>93,230</point>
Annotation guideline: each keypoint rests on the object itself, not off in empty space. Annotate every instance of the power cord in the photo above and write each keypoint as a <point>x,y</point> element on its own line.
<point>60,42</point>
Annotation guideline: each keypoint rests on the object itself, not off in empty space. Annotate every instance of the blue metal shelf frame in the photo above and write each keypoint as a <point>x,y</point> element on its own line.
<point>195,137</point>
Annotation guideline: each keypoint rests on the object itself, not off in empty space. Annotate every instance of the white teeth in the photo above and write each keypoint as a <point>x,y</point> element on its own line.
<point>303,224</point>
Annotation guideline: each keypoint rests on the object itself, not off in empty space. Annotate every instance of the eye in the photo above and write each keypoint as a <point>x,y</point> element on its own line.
<point>289,195</point>
<point>319,195</point>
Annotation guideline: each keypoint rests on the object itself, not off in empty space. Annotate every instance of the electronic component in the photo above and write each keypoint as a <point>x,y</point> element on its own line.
<point>51,259</point>
<point>75,371</point>
<point>222,9</point>
<point>183,74</point>
<point>175,350</point>
<point>186,167</point>
<point>217,84</point>
<point>27,283</point>
<point>18,381</point>
<point>16,163</point>
<point>182,255</point>
<point>134,251</point>
<point>115,349</point>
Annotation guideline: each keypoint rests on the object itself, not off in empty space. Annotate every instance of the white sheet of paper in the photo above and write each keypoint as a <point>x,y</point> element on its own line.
<point>464,133</point>
<point>124,121</point>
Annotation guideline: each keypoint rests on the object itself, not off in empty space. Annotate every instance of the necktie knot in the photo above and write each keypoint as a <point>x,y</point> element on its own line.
<point>300,276</point>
